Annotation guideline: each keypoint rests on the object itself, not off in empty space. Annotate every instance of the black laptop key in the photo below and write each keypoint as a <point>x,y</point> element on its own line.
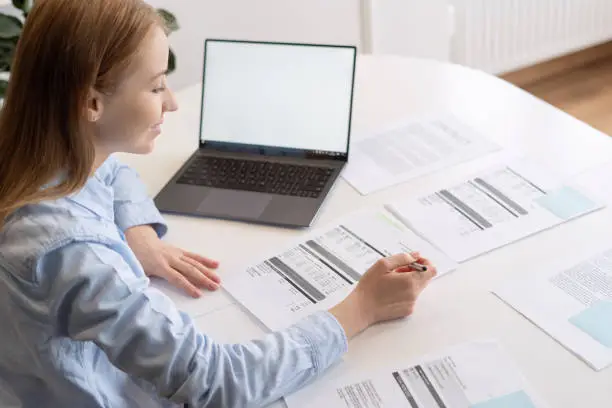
<point>254,175</point>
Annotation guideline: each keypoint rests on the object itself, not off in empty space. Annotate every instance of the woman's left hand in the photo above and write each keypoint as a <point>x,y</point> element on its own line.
<point>185,270</point>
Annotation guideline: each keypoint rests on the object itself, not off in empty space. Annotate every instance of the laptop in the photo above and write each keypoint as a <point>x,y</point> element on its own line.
<point>274,133</point>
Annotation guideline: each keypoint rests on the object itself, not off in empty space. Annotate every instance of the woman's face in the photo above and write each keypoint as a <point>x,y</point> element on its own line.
<point>130,119</point>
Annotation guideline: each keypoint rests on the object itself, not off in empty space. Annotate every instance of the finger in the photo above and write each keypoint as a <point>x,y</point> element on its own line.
<point>193,274</point>
<point>431,268</point>
<point>203,270</point>
<point>420,260</point>
<point>207,262</point>
<point>176,279</point>
<point>409,268</point>
<point>397,261</point>
<point>430,273</point>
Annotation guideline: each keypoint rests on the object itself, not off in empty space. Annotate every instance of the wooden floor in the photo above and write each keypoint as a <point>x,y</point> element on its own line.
<point>584,92</point>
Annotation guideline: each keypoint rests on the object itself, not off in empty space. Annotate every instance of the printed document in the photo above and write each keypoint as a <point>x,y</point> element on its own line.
<point>573,305</point>
<point>412,149</point>
<point>473,375</point>
<point>321,269</point>
<point>597,182</point>
<point>493,209</point>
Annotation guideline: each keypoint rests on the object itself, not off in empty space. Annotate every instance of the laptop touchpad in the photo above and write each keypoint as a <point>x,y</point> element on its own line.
<point>243,204</point>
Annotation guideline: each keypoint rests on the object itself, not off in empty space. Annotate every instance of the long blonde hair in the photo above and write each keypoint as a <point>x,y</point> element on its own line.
<point>67,47</point>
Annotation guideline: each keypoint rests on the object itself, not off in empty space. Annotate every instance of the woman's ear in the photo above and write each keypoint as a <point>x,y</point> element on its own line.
<point>95,106</point>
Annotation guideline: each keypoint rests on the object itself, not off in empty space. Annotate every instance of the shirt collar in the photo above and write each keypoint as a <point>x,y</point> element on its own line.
<point>96,196</point>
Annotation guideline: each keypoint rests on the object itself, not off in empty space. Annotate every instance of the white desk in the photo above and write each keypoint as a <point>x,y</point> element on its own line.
<point>458,307</point>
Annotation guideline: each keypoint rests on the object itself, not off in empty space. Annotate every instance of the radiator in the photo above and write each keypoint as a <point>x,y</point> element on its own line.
<point>503,35</point>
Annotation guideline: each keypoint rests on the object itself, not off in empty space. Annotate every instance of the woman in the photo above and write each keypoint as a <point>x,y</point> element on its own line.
<point>81,326</point>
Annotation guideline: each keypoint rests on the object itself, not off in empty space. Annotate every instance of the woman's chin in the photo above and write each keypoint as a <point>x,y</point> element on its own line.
<point>145,147</point>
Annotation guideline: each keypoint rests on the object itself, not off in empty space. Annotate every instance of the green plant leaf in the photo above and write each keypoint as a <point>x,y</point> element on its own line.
<point>169,19</point>
<point>27,6</point>
<point>171,62</point>
<point>18,3</point>
<point>3,87</point>
<point>23,5</point>
<point>8,44</point>
<point>6,55</point>
<point>7,49</point>
<point>10,26</point>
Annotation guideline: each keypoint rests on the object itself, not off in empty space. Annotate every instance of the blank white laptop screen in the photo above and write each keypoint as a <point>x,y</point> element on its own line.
<point>281,95</point>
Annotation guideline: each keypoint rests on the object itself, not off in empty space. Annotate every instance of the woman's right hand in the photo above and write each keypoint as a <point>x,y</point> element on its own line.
<point>388,290</point>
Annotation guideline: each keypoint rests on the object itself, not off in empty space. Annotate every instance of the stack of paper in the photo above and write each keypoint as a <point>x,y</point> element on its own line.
<point>412,149</point>
<point>320,270</point>
<point>450,225</point>
<point>573,305</point>
<point>474,375</point>
<point>493,209</point>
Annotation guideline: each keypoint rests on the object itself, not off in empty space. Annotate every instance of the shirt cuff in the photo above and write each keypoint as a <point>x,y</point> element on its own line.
<point>128,215</point>
<point>326,338</point>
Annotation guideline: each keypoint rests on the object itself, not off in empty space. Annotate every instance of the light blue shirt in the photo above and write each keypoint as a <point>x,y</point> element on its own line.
<point>82,327</point>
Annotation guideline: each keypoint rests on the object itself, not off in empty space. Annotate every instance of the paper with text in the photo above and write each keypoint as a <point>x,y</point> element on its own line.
<point>573,305</point>
<point>412,149</point>
<point>493,209</point>
<point>473,375</point>
<point>321,269</point>
<point>597,182</point>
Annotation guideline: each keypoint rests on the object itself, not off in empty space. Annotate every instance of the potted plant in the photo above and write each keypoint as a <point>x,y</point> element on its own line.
<point>10,30</point>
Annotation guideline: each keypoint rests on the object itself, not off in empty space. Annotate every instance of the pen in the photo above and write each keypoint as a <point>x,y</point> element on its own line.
<point>419,267</point>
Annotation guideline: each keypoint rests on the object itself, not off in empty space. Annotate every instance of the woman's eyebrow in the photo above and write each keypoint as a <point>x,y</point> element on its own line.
<point>164,72</point>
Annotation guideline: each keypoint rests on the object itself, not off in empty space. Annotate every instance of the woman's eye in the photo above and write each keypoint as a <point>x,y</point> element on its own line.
<point>159,89</point>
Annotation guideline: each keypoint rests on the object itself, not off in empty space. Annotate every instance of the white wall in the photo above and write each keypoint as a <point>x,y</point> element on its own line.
<point>405,27</point>
<point>317,21</point>
<point>493,35</point>
<point>422,28</point>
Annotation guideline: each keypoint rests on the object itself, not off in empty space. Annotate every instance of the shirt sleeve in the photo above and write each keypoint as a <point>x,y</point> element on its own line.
<point>132,204</point>
<point>97,297</point>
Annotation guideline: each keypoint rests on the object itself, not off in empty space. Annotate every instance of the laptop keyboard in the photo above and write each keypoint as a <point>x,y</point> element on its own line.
<point>252,175</point>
